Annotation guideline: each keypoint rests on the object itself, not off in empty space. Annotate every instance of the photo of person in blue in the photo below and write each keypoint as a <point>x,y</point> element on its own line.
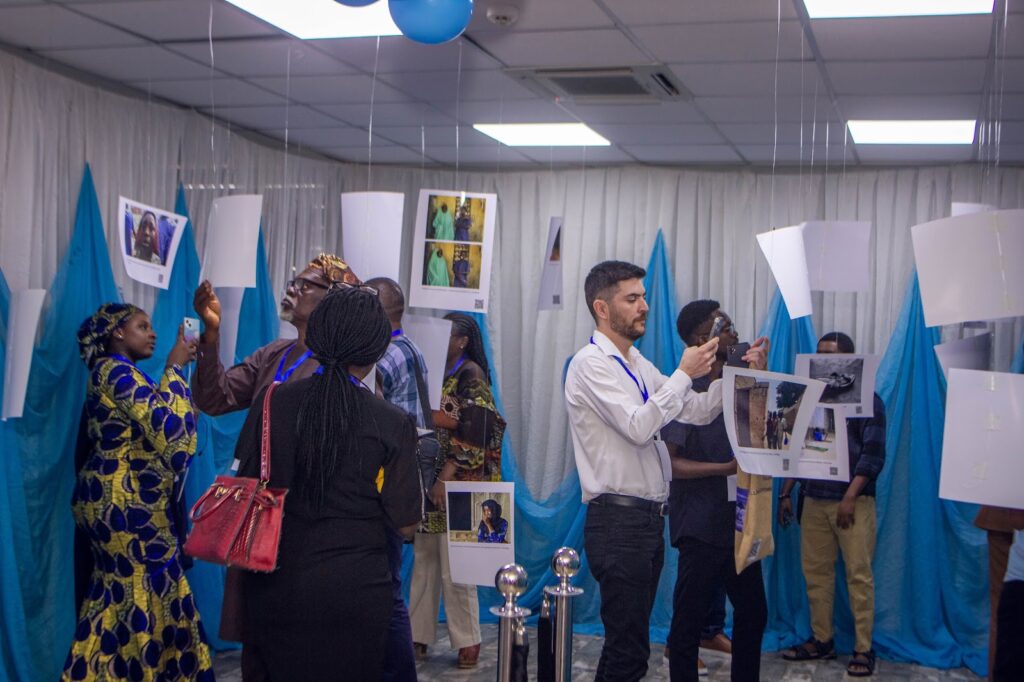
<point>493,527</point>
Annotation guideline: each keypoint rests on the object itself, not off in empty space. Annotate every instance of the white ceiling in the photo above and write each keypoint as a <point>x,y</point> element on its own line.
<point>722,51</point>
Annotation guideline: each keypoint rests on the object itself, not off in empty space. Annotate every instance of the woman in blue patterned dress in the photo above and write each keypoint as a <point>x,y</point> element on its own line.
<point>138,620</point>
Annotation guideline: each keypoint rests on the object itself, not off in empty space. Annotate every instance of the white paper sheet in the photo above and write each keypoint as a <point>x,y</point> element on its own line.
<point>763,446</point>
<point>473,562</point>
<point>970,266</point>
<point>784,250</point>
<point>964,208</point>
<point>972,352</point>
<point>825,453</point>
<point>431,335</point>
<point>230,311</point>
<point>550,296</point>
<point>371,233</point>
<point>451,264</point>
<point>22,320</point>
<point>849,380</point>
<point>149,241</point>
<point>232,238</point>
<point>838,255</point>
<point>982,460</point>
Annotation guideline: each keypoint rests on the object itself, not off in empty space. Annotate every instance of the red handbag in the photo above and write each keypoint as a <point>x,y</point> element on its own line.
<point>237,522</point>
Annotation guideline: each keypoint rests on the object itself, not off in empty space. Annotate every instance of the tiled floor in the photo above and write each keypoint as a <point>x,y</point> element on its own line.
<point>440,665</point>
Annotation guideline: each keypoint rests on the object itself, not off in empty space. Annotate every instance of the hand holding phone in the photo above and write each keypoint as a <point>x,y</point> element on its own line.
<point>191,330</point>
<point>736,353</point>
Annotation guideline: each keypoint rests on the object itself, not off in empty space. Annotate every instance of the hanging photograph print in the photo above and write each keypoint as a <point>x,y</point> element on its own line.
<point>849,380</point>
<point>481,525</point>
<point>824,454</point>
<point>452,250</point>
<point>149,241</point>
<point>550,297</point>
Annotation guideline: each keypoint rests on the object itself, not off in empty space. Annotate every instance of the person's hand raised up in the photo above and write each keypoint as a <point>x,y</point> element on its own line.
<point>697,360</point>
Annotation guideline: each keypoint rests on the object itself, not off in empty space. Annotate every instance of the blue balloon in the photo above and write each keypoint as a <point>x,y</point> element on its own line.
<point>431,21</point>
<point>355,3</point>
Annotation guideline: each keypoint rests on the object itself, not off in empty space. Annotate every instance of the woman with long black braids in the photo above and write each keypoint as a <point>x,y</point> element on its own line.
<point>469,430</point>
<point>348,460</point>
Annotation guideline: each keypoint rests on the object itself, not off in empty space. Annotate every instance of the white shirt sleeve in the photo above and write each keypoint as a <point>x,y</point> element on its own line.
<point>697,408</point>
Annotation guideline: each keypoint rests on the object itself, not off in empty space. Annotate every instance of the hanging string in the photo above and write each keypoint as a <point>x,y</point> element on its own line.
<point>213,101</point>
<point>775,142</point>
<point>369,136</point>
<point>828,127</point>
<point>814,125</point>
<point>286,181</point>
<point>1001,59</point>
<point>423,149</point>
<point>800,182</point>
<point>458,115</point>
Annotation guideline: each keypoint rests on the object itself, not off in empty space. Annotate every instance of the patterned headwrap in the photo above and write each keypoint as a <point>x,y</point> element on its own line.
<point>94,334</point>
<point>333,269</point>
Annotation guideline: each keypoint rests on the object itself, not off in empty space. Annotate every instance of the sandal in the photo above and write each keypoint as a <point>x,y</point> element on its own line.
<point>863,660</point>
<point>468,656</point>
<point>811,650</point>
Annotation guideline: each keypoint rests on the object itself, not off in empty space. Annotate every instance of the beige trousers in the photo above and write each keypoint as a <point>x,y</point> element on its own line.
<point>432,575</point>
<point>820,540</point>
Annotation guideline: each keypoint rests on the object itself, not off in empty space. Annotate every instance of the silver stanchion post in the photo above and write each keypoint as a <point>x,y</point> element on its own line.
<point>565,564</point>
<point>511,581</point>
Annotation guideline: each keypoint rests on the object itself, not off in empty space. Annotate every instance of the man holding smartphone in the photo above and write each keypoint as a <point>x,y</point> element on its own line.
<point>702,519</point>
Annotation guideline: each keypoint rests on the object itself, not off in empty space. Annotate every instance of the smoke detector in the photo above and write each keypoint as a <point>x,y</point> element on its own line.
<point>503,15</point>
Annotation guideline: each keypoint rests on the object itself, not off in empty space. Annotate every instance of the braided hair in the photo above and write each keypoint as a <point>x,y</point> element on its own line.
<point>464,325</point>
<point>347,328</point>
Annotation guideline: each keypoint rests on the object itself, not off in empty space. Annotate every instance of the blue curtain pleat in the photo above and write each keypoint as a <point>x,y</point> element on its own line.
<point>931,591</point>
<point>1017,365</point>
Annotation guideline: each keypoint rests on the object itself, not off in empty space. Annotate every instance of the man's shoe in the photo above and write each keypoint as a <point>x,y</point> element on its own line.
<point>717,643</point>
<point>468,656</point>
<point>420,650</point>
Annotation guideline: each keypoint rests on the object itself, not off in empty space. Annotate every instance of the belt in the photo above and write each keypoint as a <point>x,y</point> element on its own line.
<point>613,500</point>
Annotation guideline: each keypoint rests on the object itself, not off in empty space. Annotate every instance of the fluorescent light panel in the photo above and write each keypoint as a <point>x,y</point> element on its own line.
<point>542,134</point>
<point>313,19</point>
<point>848,9</point>
<point>912,132</point>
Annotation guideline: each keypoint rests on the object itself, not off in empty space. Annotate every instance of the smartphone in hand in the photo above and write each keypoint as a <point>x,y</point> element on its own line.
<point>736,353</point>
<point>716,327</point>
<point>191,330</point>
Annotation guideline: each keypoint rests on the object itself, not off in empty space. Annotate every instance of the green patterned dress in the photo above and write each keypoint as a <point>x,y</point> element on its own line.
<point>139,618</point>
<point>475,444</point>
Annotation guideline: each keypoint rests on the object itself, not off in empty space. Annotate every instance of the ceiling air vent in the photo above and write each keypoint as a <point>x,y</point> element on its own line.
<point>623,85</point>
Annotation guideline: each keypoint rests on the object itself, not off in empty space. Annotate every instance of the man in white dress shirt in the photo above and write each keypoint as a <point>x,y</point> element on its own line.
<point>618,402</point>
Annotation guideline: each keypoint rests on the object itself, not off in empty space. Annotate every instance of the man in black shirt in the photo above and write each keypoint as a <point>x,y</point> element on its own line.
<point>702,523</point>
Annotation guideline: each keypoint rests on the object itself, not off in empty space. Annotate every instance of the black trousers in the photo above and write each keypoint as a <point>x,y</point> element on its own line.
<point>703,568</point>
<point>626,551</point>
<point>1009,665</point>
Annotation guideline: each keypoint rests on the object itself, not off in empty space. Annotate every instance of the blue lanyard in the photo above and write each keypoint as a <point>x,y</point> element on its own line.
<point>397,332</point>
<point>456,367</point>
<point>640,383</point>
<point>283,374</point>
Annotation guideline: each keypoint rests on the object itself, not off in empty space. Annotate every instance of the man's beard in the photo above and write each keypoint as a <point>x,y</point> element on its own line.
<point>620,326</point>
<point>287,314</point>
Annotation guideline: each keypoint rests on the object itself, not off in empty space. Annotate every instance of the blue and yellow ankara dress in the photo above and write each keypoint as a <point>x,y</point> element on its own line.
<point>139,619</point>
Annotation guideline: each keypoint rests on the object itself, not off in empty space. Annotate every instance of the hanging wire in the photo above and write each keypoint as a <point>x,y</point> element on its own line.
<point>775,142</point>
<point>458,113</point>
<point>800,182</point>
<point>213,101</point>
<point>1001,59</point>
<point>369,135</point>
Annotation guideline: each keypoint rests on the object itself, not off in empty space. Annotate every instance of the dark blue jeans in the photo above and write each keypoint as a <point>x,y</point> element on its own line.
<point>626,552</point>
<point>400,662</point>
<point>714,624</point>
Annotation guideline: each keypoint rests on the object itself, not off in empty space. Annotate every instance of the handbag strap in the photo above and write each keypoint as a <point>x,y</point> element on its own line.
<point>421,386</point>
<point>265,437</point>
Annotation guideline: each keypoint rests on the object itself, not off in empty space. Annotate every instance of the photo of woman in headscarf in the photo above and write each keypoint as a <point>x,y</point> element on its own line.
<point>492,526</point>
<point>147,240</point>
<point>444,224</point>
<point>437,269</point>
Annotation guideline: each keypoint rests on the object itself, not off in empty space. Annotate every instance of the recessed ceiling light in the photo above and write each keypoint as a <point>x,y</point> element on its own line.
<point>314,19</point>
<point>912,132</point>
<point>542,134</point>
<point>847,9</point>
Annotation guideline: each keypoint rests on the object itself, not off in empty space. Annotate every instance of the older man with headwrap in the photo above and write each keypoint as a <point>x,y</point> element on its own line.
<point>217,390</point>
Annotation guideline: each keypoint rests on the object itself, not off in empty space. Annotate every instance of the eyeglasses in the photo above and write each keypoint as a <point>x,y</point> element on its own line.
<point>303,285</point>
<point>361,287</point>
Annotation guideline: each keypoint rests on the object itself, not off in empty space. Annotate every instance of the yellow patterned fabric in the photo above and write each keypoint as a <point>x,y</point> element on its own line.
<point>139,619</point>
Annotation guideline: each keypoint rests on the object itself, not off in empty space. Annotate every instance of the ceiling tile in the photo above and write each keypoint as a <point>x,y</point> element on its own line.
<point>263,57</point>
<point>1011,153</point>
<point>789,133</point>
<point>634,12</point>
<point>914,153</point>
<point>381,154</point>
<point>440,86</point>
<point>588,48</point>
<point>1014,37</point>
<point>146,63</point>
<point>731,42</point>
<point>1011,132</point>
<point>910,106</point>
<point>201,92</point>
<point>388,114</point>
<point>683,154</point>
<point>948,37</point>
<point>434,136</point>
<point>541,15</point>
<point>576,156</point>
<point>907,77</point>
<point>46,27</point>
<point>655,112</point>
<point>346,89</point>
<point>748,78</point>
<point>161,20</point>
<point>1012,106</point>
<point>683,133</point>
<point>793,155</point>
<point>762,109</point>
<point>263,118</point>
<point>398,53</point>
<point>1013,81</point>
<point>513,111</point>
<point>484,155</point>
<point>340,136</point>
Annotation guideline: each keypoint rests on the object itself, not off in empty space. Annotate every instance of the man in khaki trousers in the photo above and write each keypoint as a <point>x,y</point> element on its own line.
<point>840,517</point>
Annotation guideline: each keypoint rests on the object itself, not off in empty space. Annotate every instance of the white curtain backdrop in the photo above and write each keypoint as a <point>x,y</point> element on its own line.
<point>50,126</point>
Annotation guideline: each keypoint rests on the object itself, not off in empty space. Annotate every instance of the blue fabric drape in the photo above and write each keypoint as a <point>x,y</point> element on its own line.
<point>1018,360</point>
<point>47,434</point>
<point>788,615</point>
<point>931,593</point>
